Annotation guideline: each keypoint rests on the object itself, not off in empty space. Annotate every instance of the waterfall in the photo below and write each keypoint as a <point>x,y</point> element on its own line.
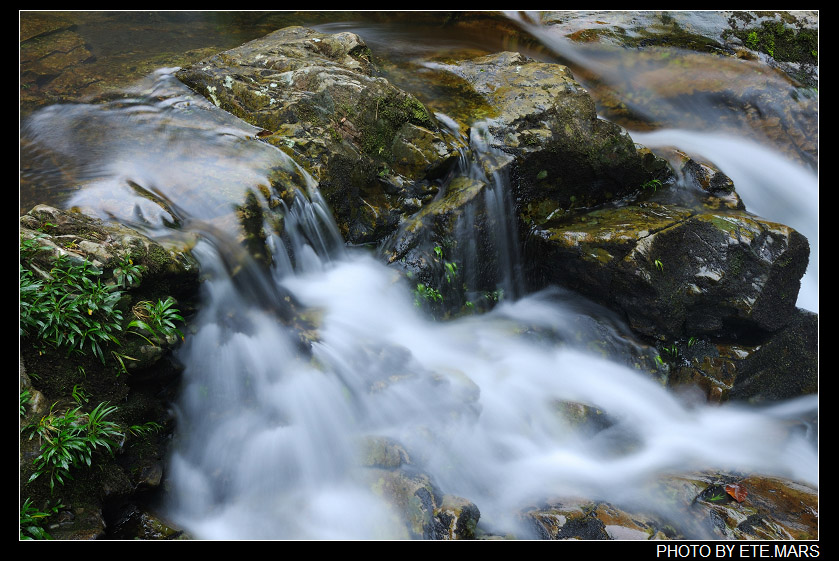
<point>296,360</point>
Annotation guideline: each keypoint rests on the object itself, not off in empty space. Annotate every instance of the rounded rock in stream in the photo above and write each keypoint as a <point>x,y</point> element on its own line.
<point>371,146</point>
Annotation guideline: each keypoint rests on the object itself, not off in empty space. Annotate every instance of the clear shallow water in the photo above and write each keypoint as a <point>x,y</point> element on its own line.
<point>269,436</point>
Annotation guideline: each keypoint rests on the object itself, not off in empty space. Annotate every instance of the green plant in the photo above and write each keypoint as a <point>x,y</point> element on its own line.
<point>145,428</point>
<point>451,271</point>
<point>427,293</point>
<point>69,440</point>
<point>31,246</point>
<point>672,350</point>
<point>126,273</point>
<point>718,497</point>
<point>25,396</point>
<point>71,310</point>
<point>659,265</point>
<point>62,445</point>
<point>79,395</point>
<point>157,318</point>
<point>653,184</point>
<point>121,358</point>
<point>101,432</point>
<point>31,520</point>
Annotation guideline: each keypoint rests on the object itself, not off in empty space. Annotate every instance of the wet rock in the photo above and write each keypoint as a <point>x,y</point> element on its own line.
<point>412,497</point>
<point>782,365</point>
<point>78,523</point>
<point>580,519</point>
<point>785,366</point>
<point>583,418</point>
<point>770,508</point>
<point>383,452</point>
<point>318,97</point>
<point>562,152</point>
<point>78,237</point>
<point>51,60</point>
<point>704,366</point>
<point>455,227</point>
<point>136,523</point>
<point>710,50</point>
<point>789,37</point>
<point>423,509</point>
<point>676,272</point>
<point>457,518</point>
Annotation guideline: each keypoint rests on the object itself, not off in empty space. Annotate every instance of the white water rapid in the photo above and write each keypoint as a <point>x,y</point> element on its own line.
<point>270,429</point>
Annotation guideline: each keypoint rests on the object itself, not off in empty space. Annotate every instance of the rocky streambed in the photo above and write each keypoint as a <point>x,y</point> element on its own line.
<point>521,186</point>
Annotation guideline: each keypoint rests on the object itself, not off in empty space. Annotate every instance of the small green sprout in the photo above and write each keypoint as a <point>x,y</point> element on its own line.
<point>672,350</point>
<point>653,184</point>
<point>25,396</point>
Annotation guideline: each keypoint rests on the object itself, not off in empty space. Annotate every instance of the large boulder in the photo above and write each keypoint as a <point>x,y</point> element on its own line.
<point>375,150</point>
<point>675,272</point>
<point>781,366</point>
<point>546,121</point>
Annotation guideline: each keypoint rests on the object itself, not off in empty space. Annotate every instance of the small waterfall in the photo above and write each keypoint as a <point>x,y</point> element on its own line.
<point>499,204</point>
<point>270,435</point>
<point>269,439</point>
<point>469,239</point>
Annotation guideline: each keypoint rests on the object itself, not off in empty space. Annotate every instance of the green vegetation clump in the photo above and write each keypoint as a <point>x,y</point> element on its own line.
<point>69,440</point>
<point>32,520</point>
<point>158,318</point>
<point>71,309</point>
<point>781,42</point>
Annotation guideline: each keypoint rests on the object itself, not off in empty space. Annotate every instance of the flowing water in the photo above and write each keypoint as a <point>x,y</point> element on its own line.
<point>270,430</point>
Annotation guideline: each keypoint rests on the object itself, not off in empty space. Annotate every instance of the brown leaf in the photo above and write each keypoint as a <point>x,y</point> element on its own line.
<point>737,491</point>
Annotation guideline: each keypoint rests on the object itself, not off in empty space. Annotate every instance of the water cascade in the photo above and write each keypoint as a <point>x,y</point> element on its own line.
<point>273,417</point>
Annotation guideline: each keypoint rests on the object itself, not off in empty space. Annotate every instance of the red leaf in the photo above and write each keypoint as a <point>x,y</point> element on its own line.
<point>738,492</point>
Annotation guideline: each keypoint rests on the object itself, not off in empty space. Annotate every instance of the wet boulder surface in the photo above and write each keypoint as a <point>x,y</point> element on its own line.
<point>374,149</point>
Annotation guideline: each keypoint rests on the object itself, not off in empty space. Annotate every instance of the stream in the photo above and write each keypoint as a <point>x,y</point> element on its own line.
<point>268,434</point>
